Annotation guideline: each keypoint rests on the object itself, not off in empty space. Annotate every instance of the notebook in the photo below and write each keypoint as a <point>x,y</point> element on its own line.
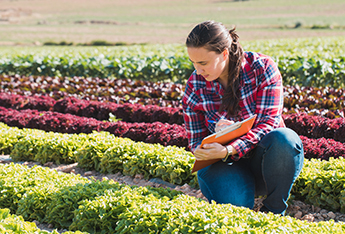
<point>223,137</point>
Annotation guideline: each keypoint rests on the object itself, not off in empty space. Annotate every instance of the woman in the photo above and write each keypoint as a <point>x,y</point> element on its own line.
<point>231,85</point>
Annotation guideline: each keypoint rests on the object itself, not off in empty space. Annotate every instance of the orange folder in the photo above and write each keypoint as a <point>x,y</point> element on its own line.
<point>224,136</point>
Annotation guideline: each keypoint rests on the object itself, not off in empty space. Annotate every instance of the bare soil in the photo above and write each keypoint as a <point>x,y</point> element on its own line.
<point>297,209</point>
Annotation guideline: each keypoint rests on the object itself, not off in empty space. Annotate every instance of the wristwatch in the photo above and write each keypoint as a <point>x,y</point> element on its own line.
<point>229,149</point>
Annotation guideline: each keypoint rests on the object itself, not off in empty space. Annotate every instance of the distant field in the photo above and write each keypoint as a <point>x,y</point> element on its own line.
<point>163,21</point>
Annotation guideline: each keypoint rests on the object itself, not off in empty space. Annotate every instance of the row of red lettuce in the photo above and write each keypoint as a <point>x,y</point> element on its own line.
<point>157,132</point>
<point>303,124</point>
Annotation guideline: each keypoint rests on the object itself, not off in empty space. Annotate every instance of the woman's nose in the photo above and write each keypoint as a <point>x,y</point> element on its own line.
<point>199,70</point>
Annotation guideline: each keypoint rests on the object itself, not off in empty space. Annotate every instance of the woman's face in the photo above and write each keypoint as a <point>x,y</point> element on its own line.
<point>209,64</point>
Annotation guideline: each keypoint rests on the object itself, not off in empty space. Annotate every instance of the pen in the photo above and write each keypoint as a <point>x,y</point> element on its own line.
<point>211,121</point>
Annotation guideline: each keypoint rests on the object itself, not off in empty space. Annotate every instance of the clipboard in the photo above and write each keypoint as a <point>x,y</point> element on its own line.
<point>224,136</point>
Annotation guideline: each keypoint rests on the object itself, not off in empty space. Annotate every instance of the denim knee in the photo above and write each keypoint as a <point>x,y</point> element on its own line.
<point>284,139</point>
<point>284,151</point>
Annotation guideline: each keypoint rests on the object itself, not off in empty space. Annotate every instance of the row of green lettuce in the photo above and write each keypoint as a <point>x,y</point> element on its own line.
<point>321,183</point>
<point>13,224</point>
<point>321,47</point>
<point>76,203</point>
<point>304,62</point>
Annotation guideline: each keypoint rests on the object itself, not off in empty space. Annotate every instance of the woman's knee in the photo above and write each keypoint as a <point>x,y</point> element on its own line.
<point>284,140</point>
<point>283,152</point>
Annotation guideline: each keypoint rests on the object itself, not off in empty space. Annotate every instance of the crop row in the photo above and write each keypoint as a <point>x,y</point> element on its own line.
<point>303,124</point>
<point>13,224</point>
<point>316,126</point>
<point>157,132</point>
<point>152,68</point>
<point>92,88</point>
<point>99,151</point>
<point>136,113</point>
<point>321,182</point>
<point>99,110</point>
<point>305,71</point>
<point>325,101</point>
<point>329,102</point>
<point>47,196</point>
<point>107,207</point>
<point>317,47</point>
<point>95,86</point>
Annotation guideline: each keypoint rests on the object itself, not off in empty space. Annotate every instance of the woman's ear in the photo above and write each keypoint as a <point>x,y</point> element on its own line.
<point>225,53</point>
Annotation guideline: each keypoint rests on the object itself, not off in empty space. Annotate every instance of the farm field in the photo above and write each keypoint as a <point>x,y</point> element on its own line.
<point>24,22</point>
<point>134,127</point>
<point>81,127</point>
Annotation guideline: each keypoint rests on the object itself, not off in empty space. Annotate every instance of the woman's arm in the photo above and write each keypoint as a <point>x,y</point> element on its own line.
<point>194,119</point>
<point>268,106</point>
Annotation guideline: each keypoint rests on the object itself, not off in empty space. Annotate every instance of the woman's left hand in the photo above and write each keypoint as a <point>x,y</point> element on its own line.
<point>210,151</point>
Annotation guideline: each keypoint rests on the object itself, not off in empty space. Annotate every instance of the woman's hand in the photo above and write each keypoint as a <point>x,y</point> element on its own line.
<point>222,123</point>
<point>210,151</point>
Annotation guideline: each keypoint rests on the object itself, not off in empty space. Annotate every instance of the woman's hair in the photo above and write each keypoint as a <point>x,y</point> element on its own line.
<point>214,36</point>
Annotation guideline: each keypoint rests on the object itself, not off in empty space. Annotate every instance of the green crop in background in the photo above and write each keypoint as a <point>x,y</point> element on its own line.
<point>305,62</point>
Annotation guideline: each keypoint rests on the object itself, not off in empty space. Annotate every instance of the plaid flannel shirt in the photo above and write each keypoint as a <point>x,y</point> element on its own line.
<point>261,93</point>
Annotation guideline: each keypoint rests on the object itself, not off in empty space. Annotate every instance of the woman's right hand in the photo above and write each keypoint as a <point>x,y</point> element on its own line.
<point>222,123</point>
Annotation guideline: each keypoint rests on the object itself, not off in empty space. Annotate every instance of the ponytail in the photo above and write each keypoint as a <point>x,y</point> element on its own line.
<point>231,97</point>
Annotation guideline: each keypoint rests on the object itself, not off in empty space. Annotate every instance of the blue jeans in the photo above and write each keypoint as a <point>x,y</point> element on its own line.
<point>271,169</point>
